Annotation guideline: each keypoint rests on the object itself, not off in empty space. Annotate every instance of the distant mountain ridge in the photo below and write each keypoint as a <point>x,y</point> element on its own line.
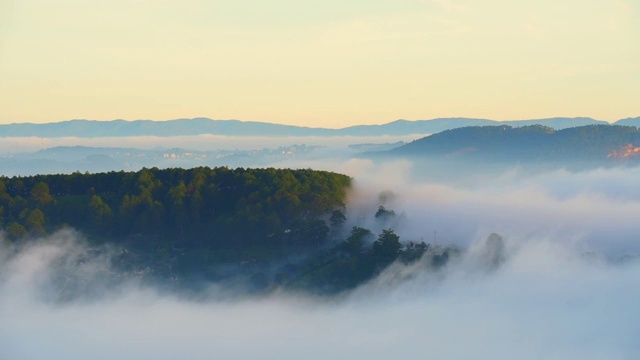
<point>200,126</point>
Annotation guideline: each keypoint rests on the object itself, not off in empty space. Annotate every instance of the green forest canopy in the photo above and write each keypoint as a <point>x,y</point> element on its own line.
<point>180,225</point>
<point>206,207</point>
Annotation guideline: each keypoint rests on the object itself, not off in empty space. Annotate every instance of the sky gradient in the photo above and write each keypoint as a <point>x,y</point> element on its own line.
<point>318,63</point>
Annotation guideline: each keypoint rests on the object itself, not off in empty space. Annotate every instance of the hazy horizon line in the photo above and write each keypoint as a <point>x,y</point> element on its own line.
<point>317,126</point>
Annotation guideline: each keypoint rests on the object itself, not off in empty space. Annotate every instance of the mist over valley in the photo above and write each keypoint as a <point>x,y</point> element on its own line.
<point>443,257</point>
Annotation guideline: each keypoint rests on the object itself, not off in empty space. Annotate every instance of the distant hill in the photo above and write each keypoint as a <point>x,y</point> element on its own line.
<point>629,121</point>
<point>528,143</point>
<point>199,126</point>
<point>117,128</point>
<point>406,127</point>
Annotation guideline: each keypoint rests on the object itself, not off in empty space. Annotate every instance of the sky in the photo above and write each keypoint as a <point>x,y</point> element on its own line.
<point>322,63</point>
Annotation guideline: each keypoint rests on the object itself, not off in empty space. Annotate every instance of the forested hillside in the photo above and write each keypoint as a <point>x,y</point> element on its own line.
<point>259,228</point>
<point>528,143</point>
<point>217,208</point>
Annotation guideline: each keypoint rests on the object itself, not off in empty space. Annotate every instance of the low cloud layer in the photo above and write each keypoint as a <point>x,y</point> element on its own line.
<point>568,288</point>
<point>544,302</point>
<point>594,210</point>
<point>12,145</point>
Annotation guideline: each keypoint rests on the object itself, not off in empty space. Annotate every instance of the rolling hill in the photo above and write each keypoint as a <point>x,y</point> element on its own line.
<point>528,143</point>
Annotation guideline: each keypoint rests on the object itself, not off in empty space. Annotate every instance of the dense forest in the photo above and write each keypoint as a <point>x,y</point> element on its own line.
<point>217,208</point>
<point>599,143</point>
<point>260,228</point>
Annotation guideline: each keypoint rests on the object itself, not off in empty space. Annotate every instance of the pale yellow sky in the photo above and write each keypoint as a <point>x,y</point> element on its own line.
<point>318,62</point>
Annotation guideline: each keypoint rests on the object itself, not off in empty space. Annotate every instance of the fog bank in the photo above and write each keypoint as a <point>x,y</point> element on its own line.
<point>593,210</point>
<point>568,287</point>
<point>546,302</point>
